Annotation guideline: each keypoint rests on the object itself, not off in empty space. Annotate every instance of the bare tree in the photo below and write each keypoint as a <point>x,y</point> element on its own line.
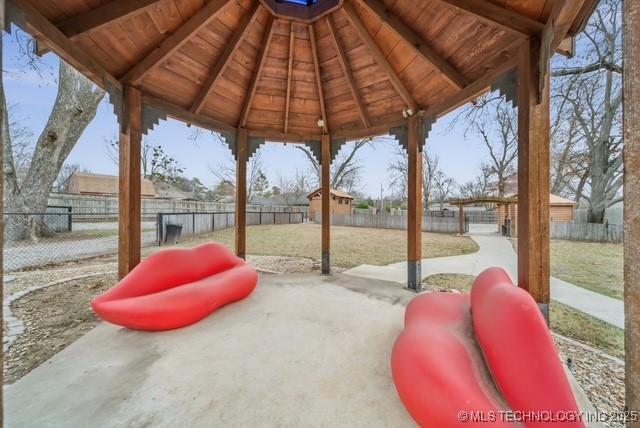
<point>346,169</point>
<point>156,163</point>
<point>589,90</point>
<point>225,172</point>
<point>495,123</point>
<point>443,186</point>
<point>74,108</point>
<point>399,178</point>
<point>478,187</point>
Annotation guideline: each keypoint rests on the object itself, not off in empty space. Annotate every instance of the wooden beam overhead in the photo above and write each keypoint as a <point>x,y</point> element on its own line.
<point>102,15</point>
<point>262,57</point>
<point>316,66</point>
<point>292,43</point>
<point>64,47</point>
<point>342,59</point>
<point>225,59</point>
<point>379,57</point>
<point>174,42</point>
<point>422,48</point>
<point>500,16</point>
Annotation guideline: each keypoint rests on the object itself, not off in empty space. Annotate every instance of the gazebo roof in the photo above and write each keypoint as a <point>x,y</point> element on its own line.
<point>352,70</point>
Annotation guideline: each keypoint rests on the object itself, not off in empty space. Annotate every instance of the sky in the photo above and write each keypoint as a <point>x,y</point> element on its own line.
<point>31,93</point>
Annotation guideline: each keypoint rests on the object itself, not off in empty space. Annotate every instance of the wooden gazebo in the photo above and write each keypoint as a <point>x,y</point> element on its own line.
<point>320,73</point>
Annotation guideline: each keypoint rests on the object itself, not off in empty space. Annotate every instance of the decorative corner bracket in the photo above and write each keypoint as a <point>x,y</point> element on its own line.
<point>315,147</point>
<point>507,86</point>
<point>254,144</point>
<point>151,116</point>
<point>336,145</point>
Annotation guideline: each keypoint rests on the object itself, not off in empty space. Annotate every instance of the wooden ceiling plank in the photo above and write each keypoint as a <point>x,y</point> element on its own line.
<point>103,15</point>
<point>64,47</point>
<point>292,41</point>
<point>505,18</point>
<point>379,57</point>
<point>224,60</point>
<point>422,48</point>
<point>253,86</point>
<point>316,66</point>
<point>342,60</point>
<point>174,42</point>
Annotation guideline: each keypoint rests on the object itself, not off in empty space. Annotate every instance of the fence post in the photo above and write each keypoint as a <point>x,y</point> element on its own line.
<point>213,222</point>
<point>159,225</point>
<point>289,217</point>
<point>260,214</point>
<point>274,217</point>
<point>193,223</point>
<point>69,219</point>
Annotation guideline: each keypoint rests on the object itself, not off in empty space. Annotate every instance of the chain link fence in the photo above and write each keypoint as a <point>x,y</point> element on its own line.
<point>34,240</point>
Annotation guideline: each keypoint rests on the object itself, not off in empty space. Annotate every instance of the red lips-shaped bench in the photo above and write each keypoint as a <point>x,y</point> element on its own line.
<point>177,287</point>
<point>485,359</point>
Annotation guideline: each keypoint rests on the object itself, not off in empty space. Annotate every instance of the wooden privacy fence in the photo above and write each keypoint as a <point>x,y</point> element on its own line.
<point>194,224</point>
<point>592,232</point>
<point>429,223</point>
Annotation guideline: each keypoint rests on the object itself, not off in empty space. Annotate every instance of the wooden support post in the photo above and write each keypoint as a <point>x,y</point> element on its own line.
<point>632,205</point>
<point>326,204</point>
<point>461,219</point>
<point>533,178</point>
<point>241,194</point>
<point>130,182</point>
<point>415,211</point>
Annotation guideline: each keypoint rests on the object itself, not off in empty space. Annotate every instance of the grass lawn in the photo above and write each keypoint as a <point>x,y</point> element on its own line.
<point>564,320</point>
<point>350,246</point>
<point>595,266</point>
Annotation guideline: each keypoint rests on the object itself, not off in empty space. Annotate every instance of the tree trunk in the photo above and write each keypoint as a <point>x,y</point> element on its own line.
<point>74,108</point>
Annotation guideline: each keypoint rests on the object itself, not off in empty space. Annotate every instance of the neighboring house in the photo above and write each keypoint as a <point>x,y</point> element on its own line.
<point>166,190</point>
<point>84,183</point>
<point>283,200</point>
<point>341,203</point>
<point>560,210</point>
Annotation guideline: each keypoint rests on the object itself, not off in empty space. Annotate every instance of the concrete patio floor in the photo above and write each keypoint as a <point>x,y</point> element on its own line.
<point>303,350</point>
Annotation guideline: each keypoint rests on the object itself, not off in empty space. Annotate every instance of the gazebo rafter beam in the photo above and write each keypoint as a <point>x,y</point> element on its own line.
<point>379,57</point>
<point>103,15</point>
<point>175,41</point>
<point>64,47</point>
<point>500,16</point>
<point>253,86</point>
<point>292,44</point>
<point>422,48</point>
<point>225,59</point>
<point>342,60</point>
<point>316,66</point>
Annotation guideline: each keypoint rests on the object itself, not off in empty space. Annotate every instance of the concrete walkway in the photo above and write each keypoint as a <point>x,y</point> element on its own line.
<point>302,351</point>
<point>496,250</point>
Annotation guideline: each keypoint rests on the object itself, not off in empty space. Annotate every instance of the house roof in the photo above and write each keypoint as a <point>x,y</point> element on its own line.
<point>559,200</point>
<point>334,192</point>
<point>555,200</point>
<point>166,190</point>
<point>100,184</point>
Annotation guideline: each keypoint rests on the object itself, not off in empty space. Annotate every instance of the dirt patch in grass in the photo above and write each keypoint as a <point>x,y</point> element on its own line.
<point>53,318</point>
<point>350,246</point>
<point>595,266</point>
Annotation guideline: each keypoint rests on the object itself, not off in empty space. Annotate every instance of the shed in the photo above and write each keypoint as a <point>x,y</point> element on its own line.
<point>85,183</point>
<point>341,203</point>
<point>560,210</point>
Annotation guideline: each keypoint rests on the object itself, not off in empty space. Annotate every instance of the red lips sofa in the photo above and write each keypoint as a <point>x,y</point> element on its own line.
<point>468,360</point>
<point>177,287</point>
